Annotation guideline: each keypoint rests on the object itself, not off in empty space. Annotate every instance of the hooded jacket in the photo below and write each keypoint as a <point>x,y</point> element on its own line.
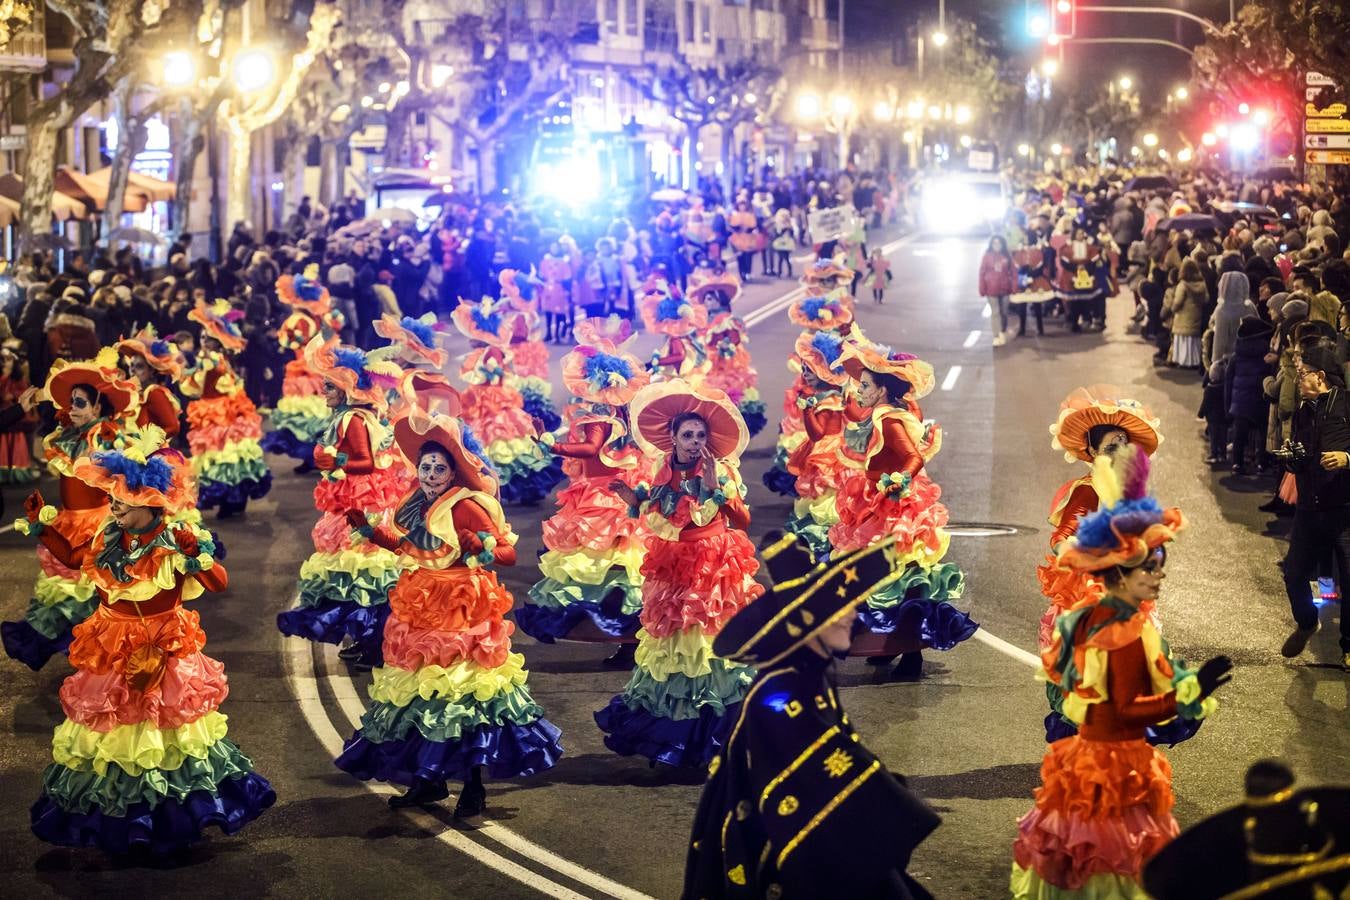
<point>1243,395</point>
<point>1234,306</point>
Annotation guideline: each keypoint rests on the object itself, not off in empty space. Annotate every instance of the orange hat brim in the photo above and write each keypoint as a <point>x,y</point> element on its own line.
<point>657,404</point>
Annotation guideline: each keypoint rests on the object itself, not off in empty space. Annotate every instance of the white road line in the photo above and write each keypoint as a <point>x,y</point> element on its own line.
<point>984,310</point>
<point>950,381</point>
<point>971,340</point>
<point>1008,649</point>
<point>6,528</point>
<point>304,685</point>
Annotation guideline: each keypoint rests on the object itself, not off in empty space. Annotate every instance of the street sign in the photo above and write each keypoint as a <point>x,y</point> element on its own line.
<point>1318,79</point>
<point>1328,157</point>
<point>12,142</point>
<point>1327,126</point>
<point>1326,141</point>
<point>830,224</point>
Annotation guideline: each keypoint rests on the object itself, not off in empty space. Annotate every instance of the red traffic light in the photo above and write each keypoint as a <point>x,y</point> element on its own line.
<point>1062,18</point>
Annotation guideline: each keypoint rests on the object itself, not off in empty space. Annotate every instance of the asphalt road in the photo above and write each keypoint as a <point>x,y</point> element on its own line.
<point>968,736</point>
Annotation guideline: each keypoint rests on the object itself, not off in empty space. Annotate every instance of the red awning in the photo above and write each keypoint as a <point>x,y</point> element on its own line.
<point>64,206</point>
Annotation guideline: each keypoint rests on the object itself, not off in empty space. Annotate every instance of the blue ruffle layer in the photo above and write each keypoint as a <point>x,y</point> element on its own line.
<point>539,406</point>
<point>332,620</point>
<point>781,481</point>
<point>508,751</point>
<point>532,488</point>
<point>690,743</point>
<point>171,825</point>
<point>550,623</point>
<point>25,644</point>
<point>211,494</point>
<point>940,626</point>
<point>755,420</point>
<point>284,443</point>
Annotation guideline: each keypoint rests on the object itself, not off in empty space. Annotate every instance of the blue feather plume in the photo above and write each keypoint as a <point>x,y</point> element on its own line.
<point>829,345</point>
<point>422,331</point>
<point>490,322</point>
<point>350,358</point>
<point>599,367</point>
<point>668,309</point>
<point>159,348</point>
<point>1128,517</point>
<point>154,473</point>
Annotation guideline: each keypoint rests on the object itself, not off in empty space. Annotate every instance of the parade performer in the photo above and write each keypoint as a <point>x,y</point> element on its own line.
<point>154,364</point>
<point>795,805</point>
<point>451,698</point>
<point>1105,802</point>
<point>223,425</point>
<point>888,494</point>
<point>16,460</point>
<point>699,570</point>
<point>816,463</point>
<point>301,415</point>
<point>91,398</point>
<point>344,584</point>
<point>825,307</point>
<point>1093,421</point>
<point>591,587</point>
<point>142,760</point>
<point>682,354</point>
<point>495,410</point>
<point>728,346</point>
<point>529,353</point>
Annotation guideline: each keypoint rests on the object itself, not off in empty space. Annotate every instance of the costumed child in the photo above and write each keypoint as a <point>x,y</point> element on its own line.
<point>223,425</point>
<point>16,459</point>
<point>699,570</point>
<point>682,354</point>
<point>795,804</point>
<point>878,276</point>
<point>142,760</point>
<point>345,582</point>
<point>784,242</point>
<point>153,365</point>
<point>591,584</point>
<point>887,494</point>
<point>816,464</point>
<point>728,346</point>
<point>93,403</point>
<point>451,699</point>
<point>526,473</point>
<point>529,353</point>
<point>1104,807</point>
<point>301,415</point>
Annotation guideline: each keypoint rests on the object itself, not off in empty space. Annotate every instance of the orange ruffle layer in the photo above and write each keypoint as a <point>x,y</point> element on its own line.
<point>866,515</point>
<point>50,565</point>
<point>590,517</point>
<point>496,413</point>
<point>453,599</point>
<point>192,686</point>
<point>1103,807</point>
<point>218,421</point>
<point>699,583</point>
<point>1065,588</point>
<point>530,359</point>
<point>488,643</point>
<point>108,640</point>
<point>818,467</point>
<point>381,490</point>
<point>300,381</point>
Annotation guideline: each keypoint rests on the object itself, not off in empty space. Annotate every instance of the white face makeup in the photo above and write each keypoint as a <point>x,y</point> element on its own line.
<point>132,518</point>
<point>333,395</point>
<point>140,370</point>
<point>690,440</point>
<point>83,406</point>
<point>435,473</point>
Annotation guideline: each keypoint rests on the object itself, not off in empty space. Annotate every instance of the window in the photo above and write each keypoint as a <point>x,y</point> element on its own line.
<point>612,16</point>
<point>705,15</point>
<point>630,18</point>
<point>689,32</point>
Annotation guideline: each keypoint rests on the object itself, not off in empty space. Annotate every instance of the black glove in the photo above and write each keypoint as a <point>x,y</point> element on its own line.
<point>1214,674</point>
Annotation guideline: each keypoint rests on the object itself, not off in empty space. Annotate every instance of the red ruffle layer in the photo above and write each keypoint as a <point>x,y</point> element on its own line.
<point>590,517</point>
<point>699,583</point>
<point>530,359</point>
<point>496,413</point>
<point>218,421</point>
<point>379,491</point>
<point>299,381</point>
<point>866,515</point>
<point>193,686</point>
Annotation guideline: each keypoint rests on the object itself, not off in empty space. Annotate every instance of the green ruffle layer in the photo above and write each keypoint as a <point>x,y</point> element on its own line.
<point>305,428</point>
<point>364,590</point>
<point>522,466</point>
<point>815,535</point>
<point>554,594</point>
<point>58,618</point>
<point>10,475</point>
<point>253,469</point>
<point>79,791</point>
<point>441,720</point>
<point>682,697</point>
<point>941,583</point>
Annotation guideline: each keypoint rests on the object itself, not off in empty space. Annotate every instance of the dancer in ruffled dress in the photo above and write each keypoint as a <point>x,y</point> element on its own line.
<point>816,463</point>
<point>680,703</point>
<point>451,698</point>
<point>591,589</point>
<point>727,341</point>
<point>1105,802</point>
<point>154,365</point>
<point>495,410</point>
<point>344,584</point>
<point>142,760</point>
<point>529,353</point>
<point>92,402</point>
<point>683,354</point>
<point>301,415</point>
<point>888,495</point>
<point>223,426</point>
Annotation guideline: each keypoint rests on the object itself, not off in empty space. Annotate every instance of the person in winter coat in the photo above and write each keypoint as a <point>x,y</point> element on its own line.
<point>998,281</point>
<point>1187,308</point>
<point>1234,305</point>
<point>1243,391</point>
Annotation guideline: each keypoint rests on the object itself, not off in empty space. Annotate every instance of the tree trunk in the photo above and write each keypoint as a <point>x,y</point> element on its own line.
<point>397,137</point>
<point>39,176</point>
<point>330,173</point>
<point>134,135</point>
<point>728,157</point>
<point>189,146</point>
<point>291,163</point>
<point>239,180</point>
<point>487,166</point>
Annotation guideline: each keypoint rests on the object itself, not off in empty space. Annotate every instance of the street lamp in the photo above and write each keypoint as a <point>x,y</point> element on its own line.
<point>883,111</point>
<point>1209,139</point>
<point>914,109</point>
<point>180,70</point>
<point>1184,155</point>
<point>253,70</point>
<point>841,104</point>
<point>808,105</point>
<point>962,114</point>
<point>1244,108</point>
<point>1049,67</point>
<point>1125,82</point>
<point>1023,149</point>
<point>1056,149</point>
<point>1261,117</point>
<point>939,38</point>
<point>1181,93</point>
<point>749,99</point>
<point>1150,140</point>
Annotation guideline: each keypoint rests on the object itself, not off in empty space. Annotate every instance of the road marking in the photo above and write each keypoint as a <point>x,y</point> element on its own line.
<point>1007,649</point>
<point>303,680</point>
<point>950,381</point>
<point>6,528</point>
<point>971,340</point>
<point>984,310</point>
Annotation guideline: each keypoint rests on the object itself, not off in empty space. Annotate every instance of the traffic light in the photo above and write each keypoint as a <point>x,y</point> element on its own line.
<point>1063,16</point>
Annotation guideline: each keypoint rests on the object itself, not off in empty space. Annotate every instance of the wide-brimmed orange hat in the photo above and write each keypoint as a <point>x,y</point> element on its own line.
<point>364,377</point>
<point>484,321</point>
<point>518,288</point>
<point>141,474</point>
<point>162,356</point>
<point>305,291</point>
<point>218,321</point>
<point>416,429</point>
<point>416,338</point>
<point>657,404</point>
<point>1102,404</point>
<point>430,392</point>
<point>824,270</point>
<point>1129,524</point>
<point>602,373</point>
<point>882,360</point>
<point>100,373</point>
<point>723,283</point>
<point>664,314</point>
<point>817,313</point>
<point>820,351</point>
<point>614,329</point>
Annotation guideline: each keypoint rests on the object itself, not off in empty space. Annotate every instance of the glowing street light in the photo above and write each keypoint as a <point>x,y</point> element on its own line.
<point>1245,138</point>
<point>1181,94</point>
<point>749,98</point>
<point>1053,40</point>
<point>914,109</point>
<point>1023,149</point>
<point>1038,25</point>
<point>1056,149</point>
<point>1222,130</point>
<point>883,111</point>
<point>1261,117</point>
<point>1244,108</point>
<point>1184,155</point>
<point>1135,151</point>
<point>1049,67</point>
<point>1209,139</point>
<point>1125,82</point>
<point>841,104</point>
<point>962,114</point>
<point>939,39</point>
<point>180,70</point>
<point>1150,140</point>
<point>384,87</point>
<point>253,70</point>
<point>934,112</point>
<point>808,105</point>
<point>966,141</point>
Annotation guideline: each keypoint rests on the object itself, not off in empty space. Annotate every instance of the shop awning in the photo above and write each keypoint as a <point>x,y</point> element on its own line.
<point>93,190</point>
<point>154,188</point>
<point>64,206</point>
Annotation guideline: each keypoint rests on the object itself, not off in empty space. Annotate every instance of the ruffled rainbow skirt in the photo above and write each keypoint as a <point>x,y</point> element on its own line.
<point>223,433</point>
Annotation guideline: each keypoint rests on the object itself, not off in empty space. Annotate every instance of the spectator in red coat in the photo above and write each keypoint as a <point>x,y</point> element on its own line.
<point>998,281</point>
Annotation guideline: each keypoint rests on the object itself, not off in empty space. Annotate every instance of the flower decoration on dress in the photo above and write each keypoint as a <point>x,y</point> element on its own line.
<point>1102,404</point>
<point>219,320</point>
<point>365,377</point>
<point>857,358</point>
<point>415,338</point>
<point>161,355</point>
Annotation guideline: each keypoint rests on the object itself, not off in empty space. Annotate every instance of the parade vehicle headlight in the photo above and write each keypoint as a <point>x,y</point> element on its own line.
<point>948,206</point>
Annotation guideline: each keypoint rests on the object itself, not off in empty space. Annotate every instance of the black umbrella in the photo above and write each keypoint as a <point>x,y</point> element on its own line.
<point>1190,222</point>
<point>1149,183</point>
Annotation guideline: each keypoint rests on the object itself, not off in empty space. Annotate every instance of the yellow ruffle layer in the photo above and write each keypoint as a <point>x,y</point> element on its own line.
<point>1025,884</point>
<point>464,679</point>
<point>356,563</point>
<point>53,589</point>
<point>504,451</point>
<point>312,407</point>
<point>234,454</point>
<point>823,510</point>
<point>590,566</point>
<point>687,653</point>
<point>135,748</point>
